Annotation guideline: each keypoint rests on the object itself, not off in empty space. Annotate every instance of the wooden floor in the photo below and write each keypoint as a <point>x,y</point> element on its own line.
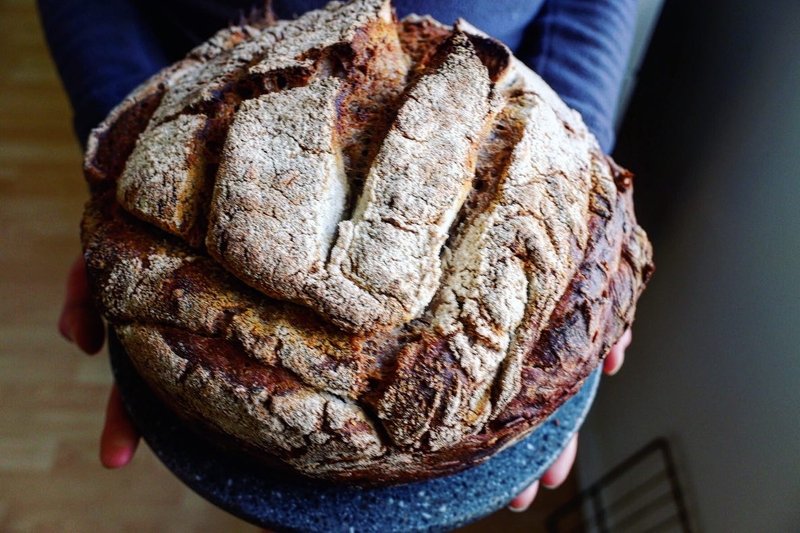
<point>52,397</point>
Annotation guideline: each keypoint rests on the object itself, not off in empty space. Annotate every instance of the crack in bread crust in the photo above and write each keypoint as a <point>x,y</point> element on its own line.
<point>365,249</point>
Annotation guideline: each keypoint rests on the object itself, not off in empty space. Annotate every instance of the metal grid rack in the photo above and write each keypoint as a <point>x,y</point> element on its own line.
<point>641,494</point>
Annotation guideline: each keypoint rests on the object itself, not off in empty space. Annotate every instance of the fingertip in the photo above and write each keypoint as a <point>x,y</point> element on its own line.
<point>116,456</point>
<point>627,338</point>
<point>517,505</point>
<point>119,439</point>
<point>613,361</point>
<point>560,469</point>
<point>615,358</point>
<point>524,499</point>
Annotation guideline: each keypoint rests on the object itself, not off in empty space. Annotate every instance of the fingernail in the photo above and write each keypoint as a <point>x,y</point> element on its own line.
<point>117,456</point>
<point>514,509</point>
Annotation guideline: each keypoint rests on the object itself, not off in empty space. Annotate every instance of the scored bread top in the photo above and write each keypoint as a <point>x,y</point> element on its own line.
<point>373,249</point>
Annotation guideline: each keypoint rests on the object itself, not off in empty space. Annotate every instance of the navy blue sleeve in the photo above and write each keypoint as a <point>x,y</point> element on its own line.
<point>102,49</point>
<point>581,48</point>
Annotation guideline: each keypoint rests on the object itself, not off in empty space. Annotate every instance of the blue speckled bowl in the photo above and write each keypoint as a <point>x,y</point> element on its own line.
<point>287,503</point>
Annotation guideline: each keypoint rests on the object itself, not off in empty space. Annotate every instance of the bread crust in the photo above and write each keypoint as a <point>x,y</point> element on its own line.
<point>371,250</point>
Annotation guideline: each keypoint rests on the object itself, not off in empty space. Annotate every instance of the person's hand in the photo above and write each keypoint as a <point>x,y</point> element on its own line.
<point>559,470</point>
<point>81,323</point>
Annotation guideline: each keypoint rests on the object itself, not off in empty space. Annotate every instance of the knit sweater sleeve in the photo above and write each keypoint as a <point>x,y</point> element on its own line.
<point>581,48</point>
<point>102,49</point>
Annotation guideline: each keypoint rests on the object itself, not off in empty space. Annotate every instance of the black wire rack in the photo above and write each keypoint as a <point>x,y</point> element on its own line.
<point>642,494</point>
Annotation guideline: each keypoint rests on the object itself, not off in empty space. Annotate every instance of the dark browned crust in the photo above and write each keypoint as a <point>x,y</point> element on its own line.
<point>554,370</point>
<point>115,143</point>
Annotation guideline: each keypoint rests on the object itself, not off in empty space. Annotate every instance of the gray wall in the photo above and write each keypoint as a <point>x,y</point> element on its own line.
<point>715,363</point>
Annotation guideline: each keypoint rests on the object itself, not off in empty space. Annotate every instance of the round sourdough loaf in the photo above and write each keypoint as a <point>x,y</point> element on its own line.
<point>361,248</point>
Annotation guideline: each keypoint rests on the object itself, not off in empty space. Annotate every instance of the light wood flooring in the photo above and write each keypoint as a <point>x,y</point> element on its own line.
<point>51,396</point>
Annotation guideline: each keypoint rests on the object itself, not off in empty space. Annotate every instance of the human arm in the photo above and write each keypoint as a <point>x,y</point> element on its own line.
<point>581,49</point>
<point>102,49</point>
